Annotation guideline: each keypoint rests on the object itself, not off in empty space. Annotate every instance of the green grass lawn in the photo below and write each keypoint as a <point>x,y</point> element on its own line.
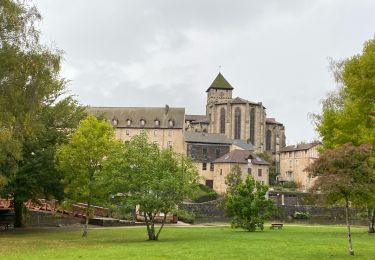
<point>293,242</point>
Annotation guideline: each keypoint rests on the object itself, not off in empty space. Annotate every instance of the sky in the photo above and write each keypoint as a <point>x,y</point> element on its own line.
<point>152,53</point>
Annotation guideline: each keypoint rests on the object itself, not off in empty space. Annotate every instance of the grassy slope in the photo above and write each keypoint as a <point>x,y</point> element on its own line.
<point>293,242</point>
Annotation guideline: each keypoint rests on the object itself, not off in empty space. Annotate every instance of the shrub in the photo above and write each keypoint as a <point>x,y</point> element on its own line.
<point>185,216</point>
<point>205,194</point>
<point>301,215</point>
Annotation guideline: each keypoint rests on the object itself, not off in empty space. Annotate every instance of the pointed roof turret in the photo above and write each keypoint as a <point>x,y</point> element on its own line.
<point>220,83</point>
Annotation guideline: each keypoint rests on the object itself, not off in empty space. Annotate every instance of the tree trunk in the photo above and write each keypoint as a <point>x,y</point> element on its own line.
<point>86,220</point>
<point>149,231</point>
<point>351,252</point>
<point>18,211</point>
<point>162,225</point>
<point>371,219</point>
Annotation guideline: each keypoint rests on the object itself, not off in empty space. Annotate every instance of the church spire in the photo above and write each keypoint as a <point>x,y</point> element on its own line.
<point>220,83</point>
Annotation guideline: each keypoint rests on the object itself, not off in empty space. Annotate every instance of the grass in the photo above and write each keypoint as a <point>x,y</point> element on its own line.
<point>293,242</point>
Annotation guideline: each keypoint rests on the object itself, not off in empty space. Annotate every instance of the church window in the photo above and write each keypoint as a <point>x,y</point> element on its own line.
<point>252,126</point>
<point>268,140</point>
<point>222,121</point>
<point>237,123</point>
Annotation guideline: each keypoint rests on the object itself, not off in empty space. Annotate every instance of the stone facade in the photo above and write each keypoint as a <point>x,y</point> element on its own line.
<point>293,162</point>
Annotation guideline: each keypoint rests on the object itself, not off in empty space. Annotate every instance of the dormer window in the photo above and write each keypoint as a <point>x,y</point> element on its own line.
<point>157,123</point>
<point>171,123</point>
<point>143,122</point>
<point>115,121</point>
<point>128,122</point>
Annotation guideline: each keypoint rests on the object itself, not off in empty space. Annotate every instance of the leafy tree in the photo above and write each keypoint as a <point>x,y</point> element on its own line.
<point>247,205</point>
<point>34,109</point>
<point>82,160</point>
<point>345,175</point>
<point>348,114</point>
<point>234,178</point>
<point>156,181</point>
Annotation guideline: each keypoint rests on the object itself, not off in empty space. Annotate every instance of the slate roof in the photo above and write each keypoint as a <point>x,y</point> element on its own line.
<point>197,118</point>
<point>272,121</point>
<point>136,114</point>
<point>239,100</point>
<point>298,147</point>
<point>195,137</point>
<point>241,156</point>
<point>220,83</point>
<point>243,144</point>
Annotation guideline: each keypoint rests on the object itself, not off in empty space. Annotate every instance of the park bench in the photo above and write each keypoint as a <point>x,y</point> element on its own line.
<point>6,220</point>
<point>276,225</point>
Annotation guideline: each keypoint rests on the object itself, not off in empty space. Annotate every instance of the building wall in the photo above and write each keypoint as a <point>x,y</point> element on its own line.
<point>294,163</point>
<point>223,169</point>
<point>163,137</point>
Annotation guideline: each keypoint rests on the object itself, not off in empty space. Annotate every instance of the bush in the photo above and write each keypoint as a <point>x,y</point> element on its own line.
<point>185,216</point>
<point>301,215</point>
<point>205,194</point>
<point>289,184</point>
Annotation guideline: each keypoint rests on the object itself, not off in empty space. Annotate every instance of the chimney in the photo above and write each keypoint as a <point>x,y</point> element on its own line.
<point>166,109</point>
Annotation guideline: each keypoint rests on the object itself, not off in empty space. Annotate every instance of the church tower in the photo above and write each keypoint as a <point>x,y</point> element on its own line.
<point>220,90</point>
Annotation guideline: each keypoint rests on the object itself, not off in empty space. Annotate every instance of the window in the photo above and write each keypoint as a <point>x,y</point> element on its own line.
<point>217,153</point>
<point>237,123</point>
<point>221,171</point>
<point>204,166</point>
<point>210,183</point>
<point>143,122</point>
<point>259,172</point>
<point>114,122</point>
<point>155,132</point>
<point>204,152</point>
<point>249,170</point>
<point>222,121</point>
<point>127,131</point>
<point>268,140</point>
<point>128,122</point>
<point>252,126</point>
<point>212,167</point>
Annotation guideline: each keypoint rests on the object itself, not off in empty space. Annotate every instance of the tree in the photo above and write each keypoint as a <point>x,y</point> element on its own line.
<point>34,109</point>
<point>348,114</point>
<point>234,178</point>
<point>345,175</point>
<point>248,206</point>
<point>82,160</point>
<point>272,173</point>
<point>156,181</point>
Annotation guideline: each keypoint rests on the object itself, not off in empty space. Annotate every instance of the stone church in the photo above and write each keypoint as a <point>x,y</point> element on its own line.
<point>232,132</point>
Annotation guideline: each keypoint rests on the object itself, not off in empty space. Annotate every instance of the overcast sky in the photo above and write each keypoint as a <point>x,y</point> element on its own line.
<point>152,53</point>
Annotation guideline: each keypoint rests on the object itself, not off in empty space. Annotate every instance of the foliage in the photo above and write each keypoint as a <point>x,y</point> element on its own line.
<point>156,181</point>
<point>301,215</point>
<point>272,173</point>
<point>234,178</point>
<point>204,194</point>
<point>289,185</point>
<point>82,160</point>
<point>186,216</point>
<point>345,175</point>
<point>35,112</point>
<point>248,206</point>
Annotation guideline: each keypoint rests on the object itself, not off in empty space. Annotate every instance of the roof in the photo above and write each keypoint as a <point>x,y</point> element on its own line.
<point>272,121</point>
<point>243,144</point>
<point>195,137</point>
<point>239,100</point>
<point>241,156</point>
<point>149,114</point>
<point>197,118</point>
<point>220,83</point>
<point>299,147</point>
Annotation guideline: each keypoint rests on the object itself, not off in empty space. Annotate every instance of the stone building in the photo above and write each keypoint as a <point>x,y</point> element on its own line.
<point>250,164</point>
<point>293,161</point>
<point>237,118</point>
<point>164,126</point>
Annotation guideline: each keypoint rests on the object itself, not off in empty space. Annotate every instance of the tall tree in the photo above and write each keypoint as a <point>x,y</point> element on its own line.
<point>247,204</point>
<point>82,160</point>
<point>345,175</point>
<point>34,109</point>
<point>348,114</point>
<point>156,181</point>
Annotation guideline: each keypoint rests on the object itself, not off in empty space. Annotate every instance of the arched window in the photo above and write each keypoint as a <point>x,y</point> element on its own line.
<point>252,126</point>
<point>222,121</point>
<point>268,140</point>
<point>237,123</point>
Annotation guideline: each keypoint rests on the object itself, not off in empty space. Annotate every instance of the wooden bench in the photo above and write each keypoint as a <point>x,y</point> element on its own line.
<point>276,225</point>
